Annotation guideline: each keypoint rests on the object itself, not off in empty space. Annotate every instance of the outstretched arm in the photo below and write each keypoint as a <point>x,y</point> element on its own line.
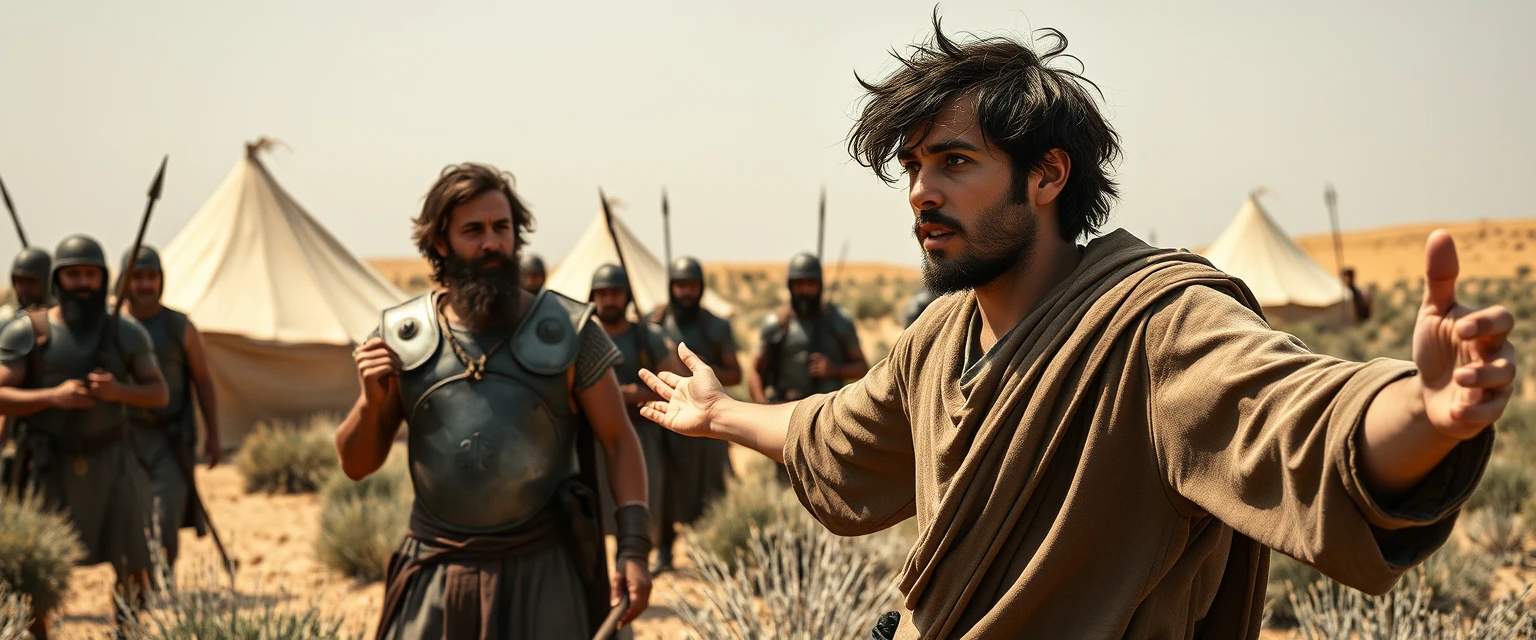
<point>1466,377</point>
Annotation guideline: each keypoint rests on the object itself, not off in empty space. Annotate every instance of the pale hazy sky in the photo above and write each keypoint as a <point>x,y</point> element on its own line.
<point>1417,111</point>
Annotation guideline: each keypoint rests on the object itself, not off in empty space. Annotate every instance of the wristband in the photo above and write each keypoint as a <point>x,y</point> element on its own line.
<point>633,532</point>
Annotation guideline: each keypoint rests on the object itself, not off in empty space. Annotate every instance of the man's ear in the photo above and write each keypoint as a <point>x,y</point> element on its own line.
<point>1050,179</point>
<point>440,246</point>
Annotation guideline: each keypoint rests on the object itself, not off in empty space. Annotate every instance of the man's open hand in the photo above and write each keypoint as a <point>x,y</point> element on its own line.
<point>1466,364</point>
<point>685,403</point>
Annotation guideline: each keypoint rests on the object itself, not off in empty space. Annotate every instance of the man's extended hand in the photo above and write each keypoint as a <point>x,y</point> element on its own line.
<point>685,403</point>
<point>634,577</point>
<point>1466,364</point>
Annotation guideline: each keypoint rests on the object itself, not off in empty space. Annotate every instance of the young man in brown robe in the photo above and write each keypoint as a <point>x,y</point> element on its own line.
<point>506,393</point>
<point>1105,440</point>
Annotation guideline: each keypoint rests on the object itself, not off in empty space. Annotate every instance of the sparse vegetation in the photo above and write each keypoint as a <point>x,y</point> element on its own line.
<point>15,613</point>
<point>1286,573</point>
<point>361,523</point>
<point>1329,611</point>
<point>1497,532</point>
<point>289,458</point>
<point>1505,486</point>
<point>38,550</point>
<point>754,498</point>
<point>206,608</point>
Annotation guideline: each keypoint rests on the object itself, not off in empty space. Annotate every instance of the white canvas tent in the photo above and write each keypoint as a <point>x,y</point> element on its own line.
<point>1287,283</point>
<point>573,275</point>
<point>278,299</point>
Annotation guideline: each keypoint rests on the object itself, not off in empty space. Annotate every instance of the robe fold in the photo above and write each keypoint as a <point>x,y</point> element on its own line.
<point>1119,463</point>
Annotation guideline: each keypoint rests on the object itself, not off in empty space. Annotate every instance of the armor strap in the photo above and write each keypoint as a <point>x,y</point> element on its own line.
<point>474,368</point>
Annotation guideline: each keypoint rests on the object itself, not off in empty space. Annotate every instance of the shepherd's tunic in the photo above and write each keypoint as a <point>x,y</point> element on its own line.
<point>1119,464</point>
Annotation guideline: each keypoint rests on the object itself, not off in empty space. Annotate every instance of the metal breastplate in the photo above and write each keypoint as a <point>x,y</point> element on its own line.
<point>487,453</point>
<point>70,355</point>
<point>795,363</point>
<point>172,356</point>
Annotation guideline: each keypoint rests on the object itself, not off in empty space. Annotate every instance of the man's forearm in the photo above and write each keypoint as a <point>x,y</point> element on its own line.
<point>208,405</point>
<point>760,427</point>
<point>24,402</point>
<point>626,472</point>
<point>145,396</point>
<point>1398,446</point>
<point>364,438</point>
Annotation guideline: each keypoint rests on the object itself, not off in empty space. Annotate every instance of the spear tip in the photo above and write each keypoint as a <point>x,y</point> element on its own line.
<point>159,183</point>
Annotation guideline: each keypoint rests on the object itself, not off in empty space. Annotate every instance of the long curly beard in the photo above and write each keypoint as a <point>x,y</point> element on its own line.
<point>486,292</point>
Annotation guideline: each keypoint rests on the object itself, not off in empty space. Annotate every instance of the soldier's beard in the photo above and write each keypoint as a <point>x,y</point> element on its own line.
<point>484,291</point>
<point>805,306</point>
<point>143,300</point>
<point>83,310</point>
<point>610,315</point>
<point>686,309</point>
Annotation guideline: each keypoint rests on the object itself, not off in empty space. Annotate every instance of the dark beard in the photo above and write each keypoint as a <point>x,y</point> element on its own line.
<point>685,310</point>
<point>483,293</point>
<point>805,306</point>
<point>1008,242</point>
<point>83,313</point>
<point>609,315</point>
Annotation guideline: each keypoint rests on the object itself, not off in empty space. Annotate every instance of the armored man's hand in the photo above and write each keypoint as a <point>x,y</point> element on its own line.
<point>634,538</point>
<point>378,370</point>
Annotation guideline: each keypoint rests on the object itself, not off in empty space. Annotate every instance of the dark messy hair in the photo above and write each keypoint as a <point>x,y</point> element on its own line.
<point>457,184</point>
<point>1023,105</point>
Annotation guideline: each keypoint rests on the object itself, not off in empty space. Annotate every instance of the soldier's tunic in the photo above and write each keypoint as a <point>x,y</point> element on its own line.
<point>697,468</point>
<point>163,435</point>
<point>493,551</point>
<point>84,460</point>
<point>834,335</point>
<point>641,345</point>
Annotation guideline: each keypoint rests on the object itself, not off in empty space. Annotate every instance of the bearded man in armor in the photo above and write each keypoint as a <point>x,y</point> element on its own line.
<point>505,393</point>
<point>696,468</point>
<point>808,347</point>
<point>29,281</point>
<point>75,374</point>
<point>167,436</point>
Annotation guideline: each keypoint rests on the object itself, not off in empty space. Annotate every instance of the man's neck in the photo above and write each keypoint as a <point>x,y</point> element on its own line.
<point>459,317</point>
<point>1004,302</point>
<point>144,312</point>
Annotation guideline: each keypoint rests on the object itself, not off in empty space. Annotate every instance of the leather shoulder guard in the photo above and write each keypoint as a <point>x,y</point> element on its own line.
<point>550,337</point>
<point>17,338</point>
<point>411,330</point>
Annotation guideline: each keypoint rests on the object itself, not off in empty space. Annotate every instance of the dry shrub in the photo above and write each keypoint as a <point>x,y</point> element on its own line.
<point>753,498</point>
<point>1457,577</point>
<point>1286,573</point>
<point>1330,611</point>
<point>289,458</point>
<point>1506,486</point>
<point>38,550</point>
<point>15,614</point>
<point>802,583</point>
<point>361,523</point>
<point>206,608</point>
<point>1496,532</point>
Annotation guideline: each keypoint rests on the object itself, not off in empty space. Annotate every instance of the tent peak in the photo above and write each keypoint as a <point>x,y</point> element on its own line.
<point>264,143</point>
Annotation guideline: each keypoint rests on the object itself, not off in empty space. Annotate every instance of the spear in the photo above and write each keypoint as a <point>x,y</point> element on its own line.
<point>14,218</point>
<point>821,226</point>
<point>629,281</point>
<point>666,226</point>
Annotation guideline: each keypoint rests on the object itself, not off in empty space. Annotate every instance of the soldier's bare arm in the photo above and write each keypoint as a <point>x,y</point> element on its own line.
<point>605,410</point>
<point>149,390</point>
<point>207,399</point>
<point>755,377</point>
<point>364,437</point>
<point>16,401</point>
<point>729,370</point>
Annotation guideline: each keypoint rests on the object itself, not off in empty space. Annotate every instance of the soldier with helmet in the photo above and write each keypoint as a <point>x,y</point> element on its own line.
<point>533,273</point>
<point>29,278</point>
<point>75,374</point>
<point>507,395</point>
<point>696,468</point>
<point>167,436</point>
<point>809,346</point>
<point>642,345</point>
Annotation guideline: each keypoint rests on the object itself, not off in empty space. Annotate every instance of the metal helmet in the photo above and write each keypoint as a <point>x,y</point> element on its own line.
<point>804,266</point>
<point>34,262</point>
<point>610,276</point>
<point>149,260</point>
<point>76,250</point>
<point>532,263</point>
<point>685,268</point>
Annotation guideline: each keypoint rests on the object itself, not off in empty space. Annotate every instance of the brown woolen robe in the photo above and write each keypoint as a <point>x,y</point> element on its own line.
<point>1121,462</point>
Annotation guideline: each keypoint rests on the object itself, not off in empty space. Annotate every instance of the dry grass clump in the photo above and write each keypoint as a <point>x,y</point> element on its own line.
<point>361,523</point>
<point>802,583</point>
<point>1330,611</point>
<point>15,614</point>
<point>289,458</point>
<point>38,550</point>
